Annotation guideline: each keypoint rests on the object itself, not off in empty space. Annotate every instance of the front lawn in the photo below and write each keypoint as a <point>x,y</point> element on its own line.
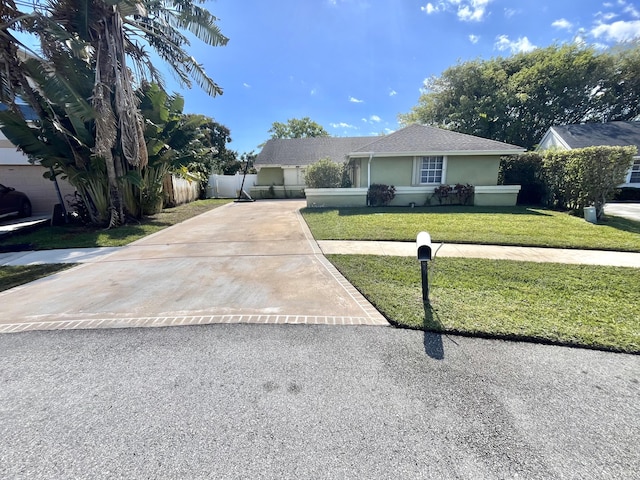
<point>74,236</point>
<point>582,305</point>
<point>518,226</point>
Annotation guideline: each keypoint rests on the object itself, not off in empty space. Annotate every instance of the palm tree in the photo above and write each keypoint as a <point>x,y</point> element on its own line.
<point>110,36</point>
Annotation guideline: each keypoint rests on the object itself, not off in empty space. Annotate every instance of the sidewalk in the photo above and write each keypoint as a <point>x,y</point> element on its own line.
<point>400,249</point>
<point>496,252</point>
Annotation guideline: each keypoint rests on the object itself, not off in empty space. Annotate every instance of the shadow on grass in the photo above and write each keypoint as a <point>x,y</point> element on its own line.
<point>620,223</point>
<point>441,209</point>
<point>77,236</point>
<point>432,337</point>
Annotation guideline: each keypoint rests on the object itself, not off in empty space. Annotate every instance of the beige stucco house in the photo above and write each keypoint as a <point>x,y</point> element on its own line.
<point>415,160</point>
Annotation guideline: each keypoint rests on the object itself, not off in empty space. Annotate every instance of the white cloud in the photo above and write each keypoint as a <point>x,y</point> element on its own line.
<point>388,131</point>
<point>606,16</point>
<point>342,125</point>
<point>246,85</point>
<point>355,100</point>
<point>313,91</point>
<point>393,93</point>
<point>429,8</point>
<point>509,12</point>
<point>473,11</point>
<point>372,119</point>
<point>633,11</point>
<point>466,10</point>
<point>515,46</point>
<point>619,31</point>
<point>562,23</point>
<point>474,38</point>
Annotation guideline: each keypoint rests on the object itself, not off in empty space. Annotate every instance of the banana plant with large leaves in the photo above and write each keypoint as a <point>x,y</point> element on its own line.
<point>175,143</point>
<point>111,37</point>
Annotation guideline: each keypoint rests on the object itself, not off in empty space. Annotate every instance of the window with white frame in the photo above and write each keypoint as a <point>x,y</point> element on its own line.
<point>430,169</point>
<point>634,176</point>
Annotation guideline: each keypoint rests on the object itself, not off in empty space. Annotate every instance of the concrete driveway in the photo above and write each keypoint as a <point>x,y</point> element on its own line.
<point>630,211</point>
<point>240,263</point>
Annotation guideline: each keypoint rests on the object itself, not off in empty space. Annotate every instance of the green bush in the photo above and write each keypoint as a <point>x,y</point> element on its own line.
<point>324,174</point>
<point>586,176</point>
<point>460,194</point>
<point>380,195</point>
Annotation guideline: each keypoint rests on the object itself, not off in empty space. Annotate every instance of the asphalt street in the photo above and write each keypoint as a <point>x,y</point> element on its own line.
<point>285,401</point>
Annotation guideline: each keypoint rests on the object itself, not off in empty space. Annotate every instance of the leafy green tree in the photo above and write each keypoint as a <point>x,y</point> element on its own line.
<point>248,159</point>
<point>516,99</point>
<point>111,37</point>
<point>297,128</point>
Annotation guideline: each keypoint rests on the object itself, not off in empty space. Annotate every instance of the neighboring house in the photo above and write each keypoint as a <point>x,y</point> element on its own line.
<point>415,160</point>
<point>614,134</point>
<point>16,171</point>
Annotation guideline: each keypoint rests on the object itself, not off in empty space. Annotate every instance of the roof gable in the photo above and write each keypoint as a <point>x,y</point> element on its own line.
<point>616,134</point>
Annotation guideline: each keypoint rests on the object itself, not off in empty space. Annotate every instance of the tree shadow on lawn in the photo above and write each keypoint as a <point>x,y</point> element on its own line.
<point>620,223</point>
<point>432,337</point>
<point>442,209</point>
<point>79,236</point>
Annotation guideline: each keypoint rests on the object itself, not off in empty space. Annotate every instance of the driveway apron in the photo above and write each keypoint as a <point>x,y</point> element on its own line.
<point>240,263</point>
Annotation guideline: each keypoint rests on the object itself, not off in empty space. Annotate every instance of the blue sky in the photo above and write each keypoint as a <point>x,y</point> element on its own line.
<point>353,65</point>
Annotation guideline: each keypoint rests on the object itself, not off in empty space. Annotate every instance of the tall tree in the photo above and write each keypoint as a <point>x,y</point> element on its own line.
<point>111,37</point>
<point>297,128</point>
<point>516,99</point>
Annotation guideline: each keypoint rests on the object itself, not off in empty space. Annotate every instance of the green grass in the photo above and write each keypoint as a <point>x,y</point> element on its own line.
<point>46,238</point>
<point>589,306</point>
<point>490,226</point>
<point>13,276</point>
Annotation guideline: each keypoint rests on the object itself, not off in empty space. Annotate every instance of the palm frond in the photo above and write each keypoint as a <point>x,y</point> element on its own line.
<point>196,20</point>
<point>23,136</point>
<point>58,89</point>
<point>196,71</point>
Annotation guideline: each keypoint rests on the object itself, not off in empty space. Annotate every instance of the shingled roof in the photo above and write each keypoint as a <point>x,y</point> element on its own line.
<point>425,139</point>
<point>305,151</point>
<point>615,134</point>
<point>411,140</point>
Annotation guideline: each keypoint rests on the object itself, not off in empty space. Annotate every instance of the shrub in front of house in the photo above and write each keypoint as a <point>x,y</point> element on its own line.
<point>458,194</point>
<point>586,176</point>
<point>324,174</point>
<point>380,195</point>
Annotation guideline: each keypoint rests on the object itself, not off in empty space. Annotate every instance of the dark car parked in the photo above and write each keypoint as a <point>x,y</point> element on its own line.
<point>13,202</point>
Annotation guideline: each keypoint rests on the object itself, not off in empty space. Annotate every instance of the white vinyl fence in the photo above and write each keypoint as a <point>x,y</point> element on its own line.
<point>228,186</point>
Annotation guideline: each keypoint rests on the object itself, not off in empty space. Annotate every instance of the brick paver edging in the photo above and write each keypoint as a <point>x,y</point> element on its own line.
<point>171,321</point>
